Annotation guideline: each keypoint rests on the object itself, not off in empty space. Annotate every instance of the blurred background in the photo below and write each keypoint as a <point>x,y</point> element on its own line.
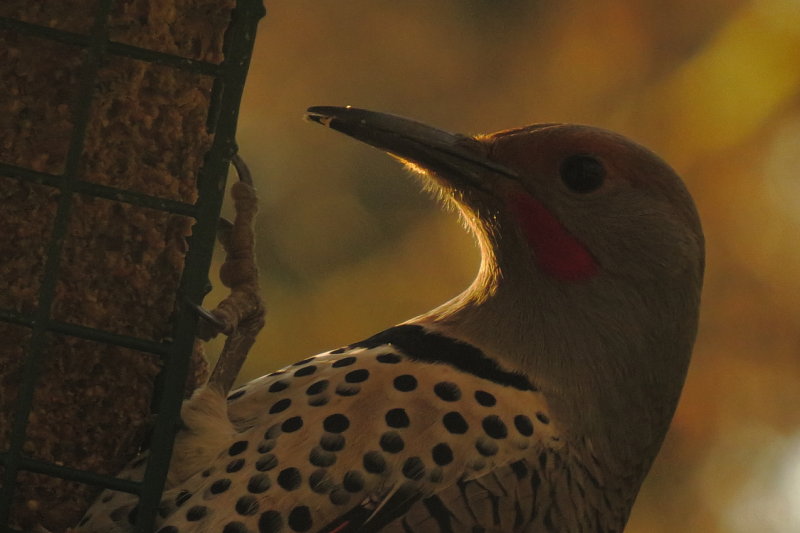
<point>347,245</point>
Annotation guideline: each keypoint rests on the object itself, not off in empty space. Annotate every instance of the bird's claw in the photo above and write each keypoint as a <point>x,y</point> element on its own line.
<point>207,316</point>
<point>242,169</point>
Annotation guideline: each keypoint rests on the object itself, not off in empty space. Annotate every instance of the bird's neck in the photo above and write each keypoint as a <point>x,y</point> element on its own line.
<point>592,350</point>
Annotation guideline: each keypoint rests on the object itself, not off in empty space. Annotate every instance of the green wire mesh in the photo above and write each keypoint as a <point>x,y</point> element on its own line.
<point>174,351</point>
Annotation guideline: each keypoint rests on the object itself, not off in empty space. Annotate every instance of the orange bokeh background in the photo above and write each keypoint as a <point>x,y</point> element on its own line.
<point>348,245</point>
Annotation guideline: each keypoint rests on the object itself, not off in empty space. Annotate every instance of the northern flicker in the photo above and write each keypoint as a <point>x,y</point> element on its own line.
<point>534,401</point>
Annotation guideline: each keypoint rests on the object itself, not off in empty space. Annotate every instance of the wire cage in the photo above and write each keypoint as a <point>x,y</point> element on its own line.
<point>106,43</point>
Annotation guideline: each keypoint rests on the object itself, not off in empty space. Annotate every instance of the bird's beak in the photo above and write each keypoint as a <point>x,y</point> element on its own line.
<point>448,155</point>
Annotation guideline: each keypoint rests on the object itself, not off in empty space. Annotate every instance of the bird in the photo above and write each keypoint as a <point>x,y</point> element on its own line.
<point>534,401</point>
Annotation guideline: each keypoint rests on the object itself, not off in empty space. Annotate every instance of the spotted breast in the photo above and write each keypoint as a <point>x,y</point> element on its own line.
<point>409,430</point>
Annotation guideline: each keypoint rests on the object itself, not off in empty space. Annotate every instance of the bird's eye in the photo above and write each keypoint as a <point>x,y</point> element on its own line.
<point>582,173</point>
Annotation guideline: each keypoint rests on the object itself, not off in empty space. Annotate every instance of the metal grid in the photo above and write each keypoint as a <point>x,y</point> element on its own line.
<point>229,77</point>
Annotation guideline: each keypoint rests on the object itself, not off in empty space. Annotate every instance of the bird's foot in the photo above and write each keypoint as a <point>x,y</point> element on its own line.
<point>240,315</point>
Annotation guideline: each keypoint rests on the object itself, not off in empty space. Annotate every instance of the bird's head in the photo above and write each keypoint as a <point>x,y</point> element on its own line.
<point>592,265</point>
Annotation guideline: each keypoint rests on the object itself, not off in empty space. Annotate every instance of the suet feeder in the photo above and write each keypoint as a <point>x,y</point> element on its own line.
<point>117,123</point>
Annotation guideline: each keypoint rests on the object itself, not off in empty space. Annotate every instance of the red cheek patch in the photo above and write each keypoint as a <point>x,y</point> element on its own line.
<point>556,251</point>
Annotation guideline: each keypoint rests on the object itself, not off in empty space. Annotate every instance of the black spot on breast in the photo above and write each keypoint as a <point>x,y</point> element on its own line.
<point>318,401</point>
<point>279,386</point>
<point>273,431</point>
<point>220,486</point>
<point>234,527</point>
<point>196,513</point>
<point>447,391</point>
<point>357,376</point>
<point>289,478</point>
<point>280,406</point>
<point>238,394</point>
<point>319,457</point>
<point>336,423</point>
<point>247,506</point>
<point>391,442</point>
<point>305,371</point>
<point>300,518</point>
<point>442,454</point>
<point>374,463</point>
<point>523,425</point>
<point>270,522</point>
<point>345,361</point>
<point>389,358</point>
<point>237,447</point>
<point>181,498</point>
<point>290,425</point>
<point>317,387</point>
<point>339,496</point>
<point>234,466</point>
<point>485,399</point>
<point>266,462</point>
<point>494,427</point>
<point>405,383</point>
<point>543,418</point>
<point>258,483</point>
<point>319,481</point>
<point>303,362</point>
<point>338,351</point>
<point>414,468</point>
<point>353,481</point>
<point>455,423</point>
<point>397,418</point>
<point>331,442</point>
<point>486,447</point>
<point>347,389</point>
